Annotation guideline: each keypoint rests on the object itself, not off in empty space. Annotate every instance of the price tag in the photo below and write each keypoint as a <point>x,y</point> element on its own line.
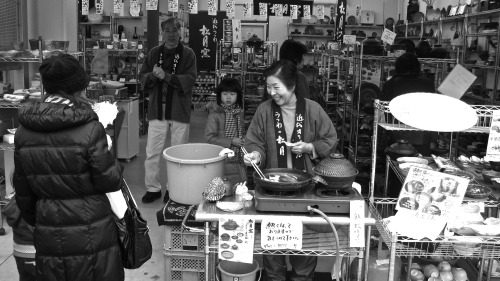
<point>388,36</point>
<point>349,39</point>
<point>357,224</point>
<point>281,233</point>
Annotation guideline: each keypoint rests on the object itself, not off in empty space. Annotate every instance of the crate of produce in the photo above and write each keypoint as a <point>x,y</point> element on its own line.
<point>177,239</point>
<point>184,268</point>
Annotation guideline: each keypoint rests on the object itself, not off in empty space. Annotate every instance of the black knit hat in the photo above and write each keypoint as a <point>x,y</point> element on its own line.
<point>63,74</point>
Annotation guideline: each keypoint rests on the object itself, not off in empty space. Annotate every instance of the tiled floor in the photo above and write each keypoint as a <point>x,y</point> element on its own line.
<point>134,175</point>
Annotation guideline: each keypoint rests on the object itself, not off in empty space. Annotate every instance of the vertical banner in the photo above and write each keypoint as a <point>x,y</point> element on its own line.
<point>151,5</point>
<point>204,32</point>
<point>85,7</point>
<point>340,22</point>
<point>212,7</point>
<point>294,12</point>
<point>320,12</point>
<point>230,9</point>
<point>99,7</point>
<point>173,6</point>
<point>277,10</point>
<point>236,30</point>
<point>263,10</point>
<point>306,12</point>
<point>247,10</point>
<point>117,6</point>
<point>193,6</point>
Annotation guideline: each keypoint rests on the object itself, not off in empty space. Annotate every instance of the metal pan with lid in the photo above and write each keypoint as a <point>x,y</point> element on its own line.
<point>288,179</point>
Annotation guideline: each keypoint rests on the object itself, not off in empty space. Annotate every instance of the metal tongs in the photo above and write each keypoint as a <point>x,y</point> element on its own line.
<point>261,174</point>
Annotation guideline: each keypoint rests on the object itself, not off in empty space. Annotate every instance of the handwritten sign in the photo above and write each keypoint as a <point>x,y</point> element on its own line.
<point>349,39</point>
<point>320,12</point>
<point>357,224</point>
<point>230,7</point>
<point>457,82</point>
<point>173,6</point>
<point>281,233</point>
<point>117,6</point>
<point>493,149</point>
<point>151,5</point>
<point>247,10</point>
<point>212,7</point>
<point>388,36</point>
<point>85,7</point>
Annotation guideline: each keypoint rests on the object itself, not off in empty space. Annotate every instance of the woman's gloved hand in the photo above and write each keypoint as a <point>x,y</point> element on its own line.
<point>253,156</point>
<point>302,147</point>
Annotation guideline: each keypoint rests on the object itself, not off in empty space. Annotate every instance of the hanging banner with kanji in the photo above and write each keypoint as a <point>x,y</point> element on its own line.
<point>230,9</point>
<point>247,10</point>
<point>204,32</point>
<point>85,7</point>
<point>263,10</point>
<point>307,12</point>
<point>151,5</point>
<point>277,10</point>
<point>340,21</point>
<point>271,7</point>
<point>99,9</point>
<point>193,6</point>
<point>117,6</point>
<point>173,6</point>
<point>294,12</point>
<point>320,12</point>
<point>212,7</point>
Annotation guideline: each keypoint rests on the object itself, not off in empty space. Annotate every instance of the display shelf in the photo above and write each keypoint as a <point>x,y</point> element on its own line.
<point>481,66</point>
<point>315,25</point>
<point>389,122</point>
<point>481,34</point>
<point>127,17</point>
<point>95,23</point>
<point>363,26</point>
<point>20,59</point>
<point>313,244</point>
<point>441,246</point>
<point>312,35</point>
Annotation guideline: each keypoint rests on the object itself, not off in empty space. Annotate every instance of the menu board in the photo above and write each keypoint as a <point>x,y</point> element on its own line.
<point>236,239</point>
<point>427,198</point>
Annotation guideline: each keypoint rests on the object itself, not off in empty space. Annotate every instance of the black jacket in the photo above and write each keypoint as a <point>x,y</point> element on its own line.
<point>62,171</point>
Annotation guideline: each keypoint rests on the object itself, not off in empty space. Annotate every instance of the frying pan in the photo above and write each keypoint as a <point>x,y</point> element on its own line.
<point>303,179</point>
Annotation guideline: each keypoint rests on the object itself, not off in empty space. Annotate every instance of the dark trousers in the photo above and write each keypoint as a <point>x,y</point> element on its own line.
<point>26,268</point>
<point>303,267</point>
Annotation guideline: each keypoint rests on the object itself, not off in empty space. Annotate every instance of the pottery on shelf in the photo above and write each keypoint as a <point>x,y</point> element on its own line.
<point>401,148</point>
<point>439,52</point>
<point>423,49</point>
<point>432,14</point>
<point>372,46</point>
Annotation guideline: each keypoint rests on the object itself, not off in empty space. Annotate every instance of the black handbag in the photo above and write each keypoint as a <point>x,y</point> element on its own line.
<point>135,243</point>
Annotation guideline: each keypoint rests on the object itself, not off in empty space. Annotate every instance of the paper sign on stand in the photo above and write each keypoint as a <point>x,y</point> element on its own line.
<point>493,149</point>
<point>388,36</point>
<point>457,82</point>
<point>349,39</point>
<point>427,198</point>
<point>236,239</point>
<point>357,224</point>
<point>281,233</point>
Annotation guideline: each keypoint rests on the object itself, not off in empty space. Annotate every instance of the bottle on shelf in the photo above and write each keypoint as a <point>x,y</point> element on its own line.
<point>135,33</point>
<point>141,13</point>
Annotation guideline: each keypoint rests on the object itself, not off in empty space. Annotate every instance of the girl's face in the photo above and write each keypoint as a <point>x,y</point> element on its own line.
<point>229,98</point>
<point>278,91</point>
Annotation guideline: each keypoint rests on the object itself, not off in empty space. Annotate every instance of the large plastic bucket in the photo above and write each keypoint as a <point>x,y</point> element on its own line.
<point>238,271</point>
<point>190,167</point>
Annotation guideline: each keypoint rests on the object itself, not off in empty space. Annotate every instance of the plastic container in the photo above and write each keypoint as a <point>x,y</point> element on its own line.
<point>230,271</point>
<point>190,167</point>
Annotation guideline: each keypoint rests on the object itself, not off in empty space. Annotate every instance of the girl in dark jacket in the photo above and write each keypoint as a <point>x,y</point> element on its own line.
<point>62,171</point>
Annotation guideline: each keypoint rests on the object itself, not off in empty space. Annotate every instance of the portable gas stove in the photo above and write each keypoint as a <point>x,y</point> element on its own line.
<point>333,201</point>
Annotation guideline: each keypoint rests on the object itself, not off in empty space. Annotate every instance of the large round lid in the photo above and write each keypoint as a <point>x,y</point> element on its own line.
<point>335,166</point>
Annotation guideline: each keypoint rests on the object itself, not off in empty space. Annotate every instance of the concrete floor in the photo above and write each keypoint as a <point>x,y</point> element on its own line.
<point>134,175</point>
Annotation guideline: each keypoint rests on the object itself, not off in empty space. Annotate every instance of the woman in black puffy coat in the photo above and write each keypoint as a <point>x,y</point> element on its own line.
<point>62,171</point>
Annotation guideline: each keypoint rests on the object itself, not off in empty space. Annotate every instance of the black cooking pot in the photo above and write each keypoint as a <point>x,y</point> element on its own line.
<point>303,179</point>
<point>372,46</point>
<point>423,49</point>
<point>401,148</point>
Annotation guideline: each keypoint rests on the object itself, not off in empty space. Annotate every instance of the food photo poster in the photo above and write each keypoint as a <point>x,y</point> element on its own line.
<point>236,239</point>
<point>427,198</point>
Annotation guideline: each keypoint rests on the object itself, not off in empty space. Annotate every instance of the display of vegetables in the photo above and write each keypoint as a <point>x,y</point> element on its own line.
<point>443,272</point>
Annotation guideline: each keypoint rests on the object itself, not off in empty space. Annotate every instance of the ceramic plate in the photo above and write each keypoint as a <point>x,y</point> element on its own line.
<point>472,28</point>
<point>351,20</point>
<point>368,93</point>
<point>417,17</point>
<point>433,112</point>
<point>312,20</point>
